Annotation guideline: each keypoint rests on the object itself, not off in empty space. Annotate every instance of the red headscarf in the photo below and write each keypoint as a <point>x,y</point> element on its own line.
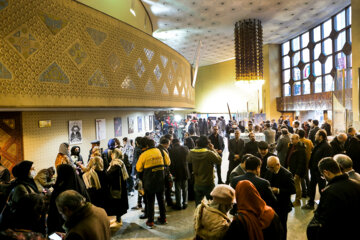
<point>256,213</point>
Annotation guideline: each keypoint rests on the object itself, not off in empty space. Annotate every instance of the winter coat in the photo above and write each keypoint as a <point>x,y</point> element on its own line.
<point>88,223</point>
<point>179,166</point>
<point>210,223</point>
<point>297,162</point>
<point>320,151</point>
<point>282,148</point>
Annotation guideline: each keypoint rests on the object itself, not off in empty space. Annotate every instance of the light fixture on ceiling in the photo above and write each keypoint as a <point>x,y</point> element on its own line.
<point>248,53</point>
<point>132,8</point>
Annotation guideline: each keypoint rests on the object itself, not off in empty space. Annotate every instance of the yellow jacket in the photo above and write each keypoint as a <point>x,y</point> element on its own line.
<point>151,158</point>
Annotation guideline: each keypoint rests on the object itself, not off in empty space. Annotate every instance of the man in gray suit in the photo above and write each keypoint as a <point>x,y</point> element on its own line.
<point>283,145</point>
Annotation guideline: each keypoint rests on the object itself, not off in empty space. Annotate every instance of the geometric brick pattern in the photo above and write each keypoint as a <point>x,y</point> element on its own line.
<point>65,49</point>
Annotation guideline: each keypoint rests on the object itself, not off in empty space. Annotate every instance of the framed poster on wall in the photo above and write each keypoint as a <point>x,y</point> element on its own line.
<point>117,127</point>
<point>146,123</point>
<point>139,121</point>
<point>131,124</point>
<point>100,125</point>
<point>75,132</point>
<point>151,123</point>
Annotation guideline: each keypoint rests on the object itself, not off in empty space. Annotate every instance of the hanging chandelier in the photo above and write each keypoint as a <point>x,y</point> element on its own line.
<point>249,52</point>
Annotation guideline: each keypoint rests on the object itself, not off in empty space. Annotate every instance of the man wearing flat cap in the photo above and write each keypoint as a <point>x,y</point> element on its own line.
<point>263,153</point>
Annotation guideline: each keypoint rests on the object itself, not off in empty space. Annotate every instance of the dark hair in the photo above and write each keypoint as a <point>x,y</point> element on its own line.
<point>150,143</point>
<point>138,140</point>
<point>147,134</point>
<point>30,208</point>
<point>175,141</point>
<point>252,163</point>
<point>301,133</point>
<point>268,125</point>
<point>245,156</point>
<point>315,122</point>
<point>164,140</point>
<point>263,145</point>
<point>322,133</point>
<point>125,139</point>
<point>329,164</point>
<point>202,142</point>
<point>284,131</point>
<point>191,131</point>
<point>296,123</point>
<point>117,141</point>
<point>350,129</point>
<point>286,122</point>
<point>168,136</point>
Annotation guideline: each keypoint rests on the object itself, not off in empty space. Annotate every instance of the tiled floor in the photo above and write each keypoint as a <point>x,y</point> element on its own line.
<point>180,223</point>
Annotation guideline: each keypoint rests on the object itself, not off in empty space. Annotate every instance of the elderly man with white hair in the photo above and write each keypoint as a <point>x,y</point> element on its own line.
<point>338,143</point>
<point>283,186</point>
<point>346,166</point>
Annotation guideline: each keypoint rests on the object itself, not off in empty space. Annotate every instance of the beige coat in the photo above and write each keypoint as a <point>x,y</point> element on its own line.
<point>210,223</point>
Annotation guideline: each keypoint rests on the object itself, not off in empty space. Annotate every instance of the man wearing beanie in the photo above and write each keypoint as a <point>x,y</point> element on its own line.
<point>211,220</point>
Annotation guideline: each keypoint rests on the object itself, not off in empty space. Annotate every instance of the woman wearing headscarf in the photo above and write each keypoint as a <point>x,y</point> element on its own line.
<point>95,179</point>
<point>22,186</point>
<point>75,155</point>
<point>63,157</point>
<point>117,175</point>
<point>211,220</point>
<point>67,179</point>
<point>255,220</point>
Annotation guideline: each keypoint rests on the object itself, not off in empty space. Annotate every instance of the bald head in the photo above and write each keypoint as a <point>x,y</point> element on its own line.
<point>342,137</point>
<point>273,164</point>
<point>344,161</point>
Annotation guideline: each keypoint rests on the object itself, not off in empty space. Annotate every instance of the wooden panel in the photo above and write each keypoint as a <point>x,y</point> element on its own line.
<point>11,144</point>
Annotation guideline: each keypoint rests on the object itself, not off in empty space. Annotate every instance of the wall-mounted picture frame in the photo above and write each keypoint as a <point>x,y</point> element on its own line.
<point>75,132</point>
<point>117,127</point>
<point>151,123</point>
<point>146,123</point>
<point>139,122</point>
<point>131,124</point>
<point>100,127</point>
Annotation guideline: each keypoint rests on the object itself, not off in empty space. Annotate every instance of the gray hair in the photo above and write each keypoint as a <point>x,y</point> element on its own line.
<point>70,199</point>
<point>344,161</point>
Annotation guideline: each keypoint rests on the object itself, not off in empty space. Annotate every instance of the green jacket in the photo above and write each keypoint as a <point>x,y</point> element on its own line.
<point>203,160</point>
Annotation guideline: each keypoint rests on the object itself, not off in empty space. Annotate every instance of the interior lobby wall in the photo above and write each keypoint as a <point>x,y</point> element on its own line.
<point>41,145</point>
<point>355,42</point>
<point>215,87</point>
<point>121,10</point>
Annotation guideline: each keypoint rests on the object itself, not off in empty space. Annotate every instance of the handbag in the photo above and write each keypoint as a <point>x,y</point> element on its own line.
<point>313,229</point>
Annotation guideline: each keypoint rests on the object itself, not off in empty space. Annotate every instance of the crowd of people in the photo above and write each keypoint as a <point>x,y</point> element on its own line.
<point>74,199</point>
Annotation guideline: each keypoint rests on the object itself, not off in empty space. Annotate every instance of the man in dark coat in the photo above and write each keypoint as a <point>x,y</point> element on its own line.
<point>322,149</point>
<point>251,147</point>
<point>339,204</point>
<point>296,163</point>
<point>164,147</point>
<point>236,150</point>
<point>352,147</point>
<point>283,186</point>
<point>219,146</point>
<point>313,130</point>
<point>83,220</point>
<point>180,170</point>
<point>252,168</point>
<point>263,153</point>
<point>338,144</point>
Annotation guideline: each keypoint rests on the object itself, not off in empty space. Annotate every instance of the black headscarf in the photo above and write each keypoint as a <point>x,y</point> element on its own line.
<point>21,173</point>
<point>67,179</point>
<point>73,152</point>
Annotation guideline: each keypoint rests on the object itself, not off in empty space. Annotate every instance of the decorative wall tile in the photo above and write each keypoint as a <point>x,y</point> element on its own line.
<point>176,92</point>
<point>183,93</point>
<point>98,79</point>
<point>53,23</point>
<point>97,36</point>
<point>139,67</point>
<point>175,65</point>
<point>114,61</point>
<point>4,72</point>
<point>164,60</point>
<point>128,46</point>
<point>149,54</point>
<point>179,81</point>
<point>3,4</point>
<point>128,83</point>
<point>77,54</point>
<point>23,41</point>
<point>149,87</point>
<point>157,72</point>
<point>54,73</point>
<point>165,90</point>
<point>171,77</point>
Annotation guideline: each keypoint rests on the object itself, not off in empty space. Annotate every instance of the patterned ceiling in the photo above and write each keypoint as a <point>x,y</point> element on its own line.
<point>182,23</point>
